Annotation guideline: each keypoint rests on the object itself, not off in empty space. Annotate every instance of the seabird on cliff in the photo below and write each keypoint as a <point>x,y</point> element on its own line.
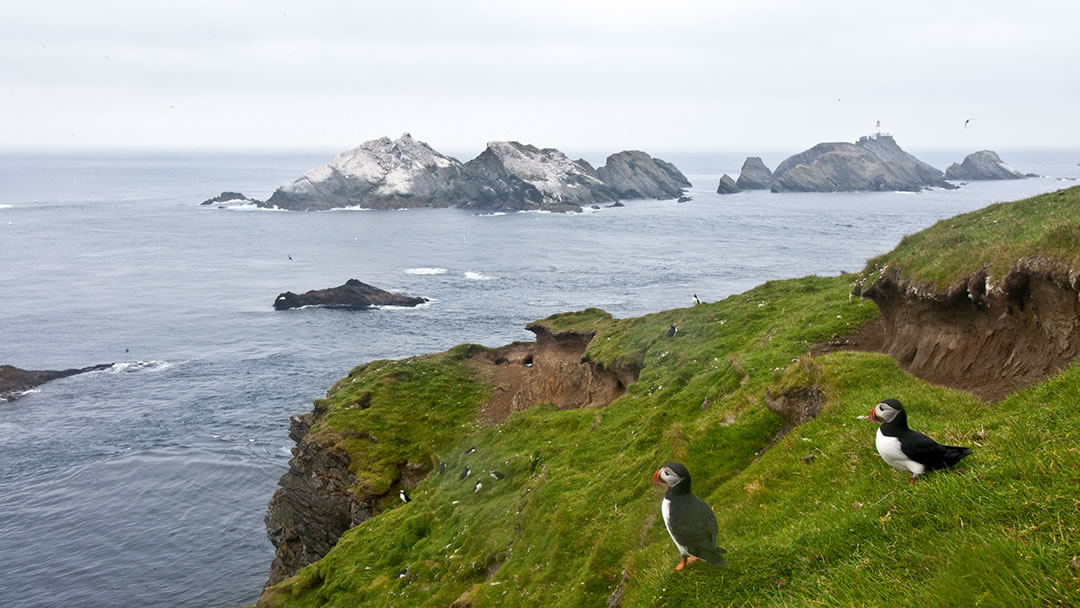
<point>907,450</point>
<point>479,485</point>
<point>496,475</point>
<point>403,496</point>
<point>696,300</point>
<point>470,450</point>
<point>672,331</point>
<point>464,473</point>
<point>689,520</point>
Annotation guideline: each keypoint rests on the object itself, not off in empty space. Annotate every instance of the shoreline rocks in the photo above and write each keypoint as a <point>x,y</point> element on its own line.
<point>754,175</point>
<point>14,381</point>
<point>353,295</point>
<point>873,163</point>
<point>635,174</point>
<point>231,198</point>
<point>984,165</point>
<point>727,185</point>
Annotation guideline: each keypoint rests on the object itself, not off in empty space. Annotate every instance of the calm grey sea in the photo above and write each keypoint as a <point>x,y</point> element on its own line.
<point>146,484</point>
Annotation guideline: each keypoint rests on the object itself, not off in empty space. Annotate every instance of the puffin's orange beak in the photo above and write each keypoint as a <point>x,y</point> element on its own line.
<point>873,415</point>
<point>656,477</point>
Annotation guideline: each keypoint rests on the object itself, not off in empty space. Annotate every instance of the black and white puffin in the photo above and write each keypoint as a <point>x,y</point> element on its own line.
<point>908,450</point>
<point>672,331</point>
<point>689,520</point>
<point>404,496</point>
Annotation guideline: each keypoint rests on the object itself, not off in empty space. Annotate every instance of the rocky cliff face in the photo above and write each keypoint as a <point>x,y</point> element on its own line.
<point>319,498</point>
<point>727,185</point>
<point>988,339</point>
<point>872,163</point>
<point>635,174</point>
<point>754,175</point>
<point>985,164</point>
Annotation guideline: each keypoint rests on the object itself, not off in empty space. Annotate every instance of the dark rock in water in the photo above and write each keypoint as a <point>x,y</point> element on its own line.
<point>635,174</point>
<point>727,185</point>
<point>353,295</point>
<point>983,165</point>
<point>685,199</point>
<point>874,163</point>
<point>595,207</point>
<point>754,175</point>
<point>230,197</point>
<point>616,204</point>
<point>15,381</point>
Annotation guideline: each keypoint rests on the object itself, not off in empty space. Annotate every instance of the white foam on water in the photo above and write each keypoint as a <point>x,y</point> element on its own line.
<point>6,206</point>
<point>353,208</point>
<point>426,270</point>
<point>139,366</point>
<point>476,276</point>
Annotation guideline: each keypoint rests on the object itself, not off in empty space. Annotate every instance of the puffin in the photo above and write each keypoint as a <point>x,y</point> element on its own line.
<point>403,496</point>
<point>672,331</point>
<point>689,520</point>
<point>696,300</point>
<point>907,450</point>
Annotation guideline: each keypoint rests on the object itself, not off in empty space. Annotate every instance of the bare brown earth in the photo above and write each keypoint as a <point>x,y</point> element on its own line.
<point>550,370</point>
<point>989,341</point>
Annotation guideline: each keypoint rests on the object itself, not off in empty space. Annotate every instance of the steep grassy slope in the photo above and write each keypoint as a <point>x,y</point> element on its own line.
<point>816,520</point>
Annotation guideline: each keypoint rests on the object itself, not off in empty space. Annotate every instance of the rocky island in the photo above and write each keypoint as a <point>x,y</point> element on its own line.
<point>873,163</point>
<point>14,381</point>
<point>405,172</point>
<point>984,165</point>
<point>353,295</point>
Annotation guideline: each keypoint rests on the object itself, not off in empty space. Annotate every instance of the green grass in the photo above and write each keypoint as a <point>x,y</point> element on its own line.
<point>817,520</point>
<point>991,239</point>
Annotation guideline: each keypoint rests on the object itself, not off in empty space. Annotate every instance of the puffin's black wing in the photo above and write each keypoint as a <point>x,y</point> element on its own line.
<point>694,526</point>
<point>930,453</point>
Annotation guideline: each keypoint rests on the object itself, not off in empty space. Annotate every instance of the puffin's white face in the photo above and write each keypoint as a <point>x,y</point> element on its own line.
<point>884,412</point>
<point>667,476</point>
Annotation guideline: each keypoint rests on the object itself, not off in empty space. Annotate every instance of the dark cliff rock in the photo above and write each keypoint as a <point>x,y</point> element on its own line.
<point>231,197</point>
<point>635,174</point>
<point>754,175</point>
<point>874,163</point>
<point>984,165</point>
<point>727,185</point>
<point>15,381</point>
<point>353,295</point>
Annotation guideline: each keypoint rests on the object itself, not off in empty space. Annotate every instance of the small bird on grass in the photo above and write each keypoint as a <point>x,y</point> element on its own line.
<point>672,331</point>
<point>907,450</point>
<point>689,520</point>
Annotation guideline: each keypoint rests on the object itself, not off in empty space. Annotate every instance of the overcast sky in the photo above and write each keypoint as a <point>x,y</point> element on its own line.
<point>611,74</point>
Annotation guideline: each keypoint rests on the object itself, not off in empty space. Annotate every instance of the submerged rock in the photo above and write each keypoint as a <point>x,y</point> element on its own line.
<point>14,381</point>
<point>635,174</point>
<point>727,185</point>
<point>353,295</point>
<point>984,165</point>
<point>226,198</point>
<point>873,163</point>
<point>754,175</point>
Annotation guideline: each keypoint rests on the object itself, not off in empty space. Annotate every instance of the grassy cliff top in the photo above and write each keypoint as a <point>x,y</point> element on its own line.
<point>817,520</point>
<point>993,239</point>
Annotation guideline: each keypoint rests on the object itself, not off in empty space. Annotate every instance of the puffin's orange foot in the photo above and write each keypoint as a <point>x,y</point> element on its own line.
<point>690,560</point>
<point>681,565</point>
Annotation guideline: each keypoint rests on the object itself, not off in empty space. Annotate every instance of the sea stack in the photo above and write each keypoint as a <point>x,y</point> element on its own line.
<point>353,295</point>
<point>754,175</point>
<point>727,185</point>
<point>874,163</point>
<point>983,165</point>
<point>635,174</point>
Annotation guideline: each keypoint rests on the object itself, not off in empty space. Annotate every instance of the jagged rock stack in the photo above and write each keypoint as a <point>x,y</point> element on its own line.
<point>754,175</point>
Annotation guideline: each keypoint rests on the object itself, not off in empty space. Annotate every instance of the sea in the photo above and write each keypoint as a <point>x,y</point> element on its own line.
<point>146,484</point>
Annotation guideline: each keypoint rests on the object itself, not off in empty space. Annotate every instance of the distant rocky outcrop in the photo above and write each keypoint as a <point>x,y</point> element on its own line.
<point>353,295</point>
<point>547,177</point>
<point>727,185</point>
<point>754,175</point>
<point>14,381</point>
<point>378,174</point>
<point>635,174</point>
<point>402,173</point>
<point>226,198</point>
<point>984,165</point>
<point>873,163</point>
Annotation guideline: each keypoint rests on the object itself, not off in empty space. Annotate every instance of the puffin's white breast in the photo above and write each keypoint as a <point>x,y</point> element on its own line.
<point>889,449</point>
<point>665,509</point>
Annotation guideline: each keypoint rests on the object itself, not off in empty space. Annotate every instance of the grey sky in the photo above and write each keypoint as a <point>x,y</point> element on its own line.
<point>612,74</point>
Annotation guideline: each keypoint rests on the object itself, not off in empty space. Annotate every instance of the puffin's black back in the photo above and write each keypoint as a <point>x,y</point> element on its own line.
<point>919,447</point>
